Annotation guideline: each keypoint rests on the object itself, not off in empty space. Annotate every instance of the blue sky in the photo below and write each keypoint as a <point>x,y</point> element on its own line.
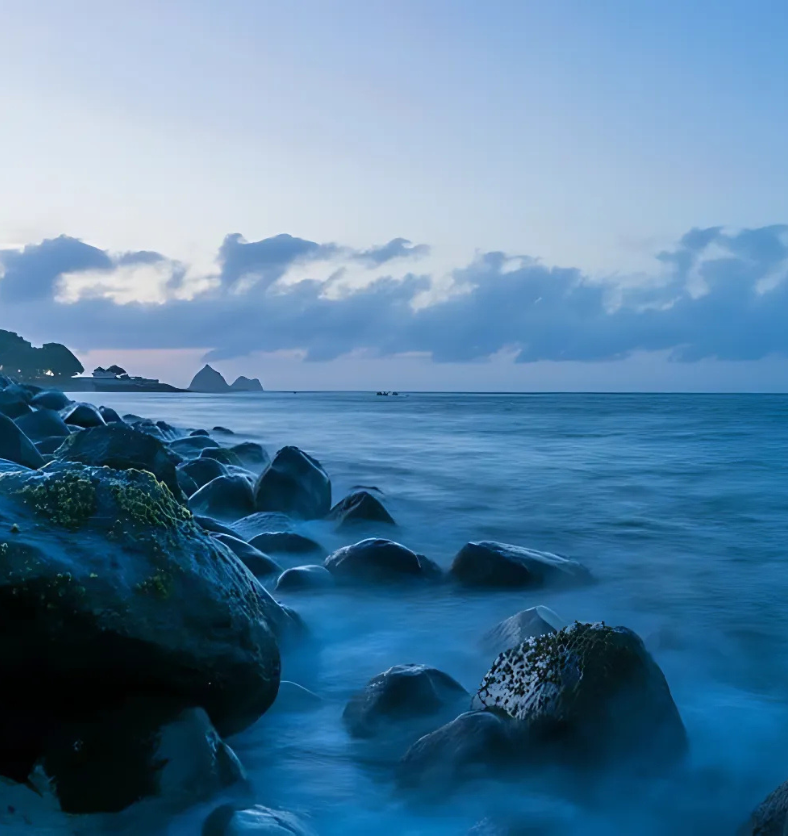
<point>585,138</point>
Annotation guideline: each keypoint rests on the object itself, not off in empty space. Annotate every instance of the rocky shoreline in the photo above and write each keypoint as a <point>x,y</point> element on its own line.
<point>140,563</point>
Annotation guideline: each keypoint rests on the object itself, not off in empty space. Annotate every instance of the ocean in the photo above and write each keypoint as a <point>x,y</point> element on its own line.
<point>678,504</point>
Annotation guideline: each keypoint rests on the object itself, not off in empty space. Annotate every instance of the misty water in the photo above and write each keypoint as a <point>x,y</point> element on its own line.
<point>677,504</point>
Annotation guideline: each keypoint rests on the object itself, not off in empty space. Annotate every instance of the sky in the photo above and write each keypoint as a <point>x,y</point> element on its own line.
<point>396,194</point>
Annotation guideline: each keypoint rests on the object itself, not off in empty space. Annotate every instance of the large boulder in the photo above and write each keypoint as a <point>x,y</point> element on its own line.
<point>499,565</point>
<point>16,447</point>
<point>401,695</point>
<point>224,498</point>
<point>378,561</point>
<point>108,584</point>
<point>83,415</point>
<point>109,415</point>
<point>253,821</point>
<point>121,447</point>
<point>263,521</point>
<point>524,625</point>
<point>221,454</point>
<point>214,526</point>
<point>360,507</point>
<point>258,563</point>
<point>43,423</point>
<point>191,446</point>
<point>251,454</point>
<point>286,542</point>
<point>13,406</point>
<point>51,399</point>
<point>202,470</point>
<point>146,748</point>
<point>590,695</point>
<point>770,818</point>
<point>294,483</point>
<point>208,380</point>
<point>304,577</point>
<point>7,466</point>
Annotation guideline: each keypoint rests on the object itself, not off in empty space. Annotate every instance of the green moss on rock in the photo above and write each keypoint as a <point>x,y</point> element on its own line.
<point>65,499</point>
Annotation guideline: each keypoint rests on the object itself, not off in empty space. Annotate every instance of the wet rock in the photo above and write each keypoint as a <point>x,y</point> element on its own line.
<point>253,821</point>
<point>199,432</point>
<point>589,695</point>
<point>499,565</point>
<point>475,744</point>
<point>380,561</point>
<point>202,470</point>
<point>83,415</point>
<point>294,483</point>
<point>185,482</point>
<point>144,749</point>
<point>41,424</point>
<point>214,526</point>
<point>122,447</point>
<point>360,507</point>
<point>304,577</point>
<point>48,446</point>
<point>224,498</point>
<point>770,818</point>
<point>107,582</point>
<point>526,624</point>
<point>25,391</point>
<point>16,447</point>
<point>13,406</point>
<point>251,455</point>
<point>263,521</point>
<point>169,432</point>
<point>7,466</point>
<point>51,399</point>
<point>258,563</point>
<point>191,446</point>
<point>286,542</point>
<point>402,694</point>
<point>109,415</point>
<point>223,431</point>
<point>221,454</point>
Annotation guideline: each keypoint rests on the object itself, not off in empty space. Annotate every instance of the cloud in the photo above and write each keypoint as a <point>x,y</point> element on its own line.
<point>396,248</point>
<point>716,294</point>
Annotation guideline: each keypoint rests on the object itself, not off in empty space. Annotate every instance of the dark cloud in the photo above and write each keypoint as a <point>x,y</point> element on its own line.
<point>718,294</point>
<point>396,248</point>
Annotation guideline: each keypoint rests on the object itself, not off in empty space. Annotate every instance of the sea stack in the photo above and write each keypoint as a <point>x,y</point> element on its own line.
<point>244,384</point>
<point>208,380</point>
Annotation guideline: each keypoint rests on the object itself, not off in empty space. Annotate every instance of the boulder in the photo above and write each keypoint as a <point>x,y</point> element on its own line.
<point>251,455</point>
<point>360,507</point>
<point>43,423</point>
<point>12,406</point>
<point>51,399</point>
<point>526,624</point>
<point>7,466</point>
<point>25,391</point>
<point>146,748</point>
<point>199,432</point>
<point>380,561</point>
<point>191,446</point>
<point>475,744</point>
<point>48,446</point>
<point>227,820</point>
<point>488,564</point>
<point>221,454</point>
<point>121,447</point>
<point>223,431</point>
<point>224,498</point>
<point>169,432</point>
<point>202,470</point>
<point>83,415</point>
<point>185,482</point>
<point>770,818</point>
<point>16,447</point>
<point>258,563</point>
<point>304,577</point>
<point>286,542</point>
<point>109,415</point>
<point>214,526</point>
<point>589,695</point>
<point>263,521</point>
<point>208,380</point>
<point>402,694</point>
<point>294,483</point>
<point>245,384</point>
<point>109,585</point>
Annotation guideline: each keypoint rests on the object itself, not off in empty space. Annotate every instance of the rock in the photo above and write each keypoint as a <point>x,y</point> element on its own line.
<point>51,399</point>
<point>199,432</point>
<point>294,483</point>
<point>208,380</point>
<point>224,498</point>
<point>286,542</point>
<point>169,432</point>
<point>203,470</point>
<point>294,697</point>
<point>223,431</point>
<point>475,744</point>
<point>192,446</point>
<point>401,694</point>
<point>7,466</point>
<point>259,564</point>
<point>251,455</point>
<point>25,391</point>
<point>304,577</point>
<point>109,415</point>
<point>526,624</point>
<point>263,521</point>
<point>360,507</point>
<point>83,415</point>
<point>143,749</point>
<point>13,406</point>
<point>213,526</point>
<point>41,424</point>
<point>380,561</point>
<point>590,695</point>
<point>498,565</point>
<point>185,482</point>
<point>245,384</point>
<point>121,447</point>
<point>106,581</point>
<point>221,454</point>
<point>16,447</point>
<point>770,818</point>
<point>48,446</point>
<point>147,427</point>
<point>253,821</point>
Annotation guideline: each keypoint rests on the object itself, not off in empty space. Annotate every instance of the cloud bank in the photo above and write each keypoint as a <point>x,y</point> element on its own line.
<point>716,294</point>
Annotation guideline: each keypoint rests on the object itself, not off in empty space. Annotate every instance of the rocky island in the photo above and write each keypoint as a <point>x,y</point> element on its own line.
<point>210,381</point>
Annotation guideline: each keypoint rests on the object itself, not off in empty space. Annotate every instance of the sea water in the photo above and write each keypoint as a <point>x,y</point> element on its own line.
<point>677,503</point>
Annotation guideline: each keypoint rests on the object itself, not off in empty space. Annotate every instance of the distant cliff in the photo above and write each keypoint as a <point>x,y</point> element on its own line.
<point>211,381</point>
<point>244,384</point>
